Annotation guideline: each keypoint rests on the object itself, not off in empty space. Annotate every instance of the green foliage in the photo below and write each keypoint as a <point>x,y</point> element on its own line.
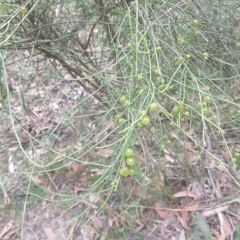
<point>149,71</point>
<point>203,227</point>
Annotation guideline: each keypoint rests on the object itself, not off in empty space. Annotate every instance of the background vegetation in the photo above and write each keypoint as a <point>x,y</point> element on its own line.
<point>122,116</point>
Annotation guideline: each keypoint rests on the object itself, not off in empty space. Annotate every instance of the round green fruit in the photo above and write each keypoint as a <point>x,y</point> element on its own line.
<point>153,130</point>
<point>180,59</point>
<point>145,120</point>
<point>175,111</point>
<point>205,55</point>
<point>168,142</point>
<point>130,161</point>
<point>124,172</point>
<point>181,106</point>
<point>197,33</point>
<point>153,107</point>
<point>181,40</point>
<point>187,114</point>
<point>121,120</point>
<point>142,92</point>
<point>128,153</point>
<point>195,23</point>
<point>205,111</point>
<point>162,87</point>
<point>158,48</point>
<point>131,172</point>
<point>236,155</point>
<point>139,77</point>
<point>207,99</point>
<point>123,99</point>
<point>142,113</point>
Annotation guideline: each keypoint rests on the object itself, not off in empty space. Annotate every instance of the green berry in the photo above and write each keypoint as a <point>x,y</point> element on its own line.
<point>142,113</point>
<point>168,142</point>
<point>130,161</point>
<point>180,59</point>
<point>145,120</point>
<point>181,40</point>
<point>123,99</point>
<point>195,23</point>
<point>236,155</point>
<point>124,172</point>
<point>205,55</point>
<point>205,111</point>
<point>207,99</point>
<point>121,120</point>
<point>175,111</point>
<point>128,153</point>
<point>162,87</point>
<point>142,92</point>
<point>153,107</point>
<point>131,172</point>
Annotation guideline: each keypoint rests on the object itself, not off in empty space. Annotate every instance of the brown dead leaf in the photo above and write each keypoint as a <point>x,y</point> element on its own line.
<point>105,152</point>
<point>71,231</point>
<point>186,194</point>
<point>168,157</point>
<point>225,226</point>
<point>163,214</point>
<point>148,217</point>
<point>129,183</point>
<point>38,180</point>
<point>50,234</point>
<point>110,210</point>
<point>137,192</point>
<point>77,168</point>
<point>183,219</point>
<point>214,211</point>
<point>182,235</point>
<point>191,208</point>
<point>7,200</point>
<point>6,228</point>
<point>97,223</point>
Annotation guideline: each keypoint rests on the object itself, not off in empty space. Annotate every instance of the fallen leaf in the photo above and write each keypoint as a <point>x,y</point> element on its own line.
<point>50,234</point>
<point>191,208</point>
<point>71,231</point>
<point>77,168</point>
<point>225,227</point>
<point>36,179</point>
<point>168,157</point>
<point>147,218</point>
<point>7,200</point>
<point>97,223</point>
<point>11,167</point>
<point>137,192</point>
<point>186,194</point>
<point>105,152</point>
<point>162,213</point>
<point>182,235</point>
<point>211,212</point>
<point>183,219</point>
<point>6,228</point>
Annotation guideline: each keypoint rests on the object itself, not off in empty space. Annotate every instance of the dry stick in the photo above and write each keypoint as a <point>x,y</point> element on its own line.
<point>67,66</point>
<point>58,35</point>
<point>220,37</point>
<point>72,71</point>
